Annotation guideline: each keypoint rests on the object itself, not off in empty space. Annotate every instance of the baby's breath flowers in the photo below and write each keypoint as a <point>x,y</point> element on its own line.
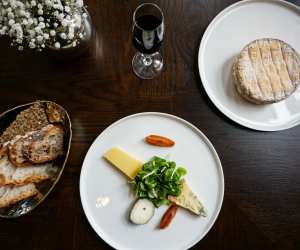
<point>40,23</point>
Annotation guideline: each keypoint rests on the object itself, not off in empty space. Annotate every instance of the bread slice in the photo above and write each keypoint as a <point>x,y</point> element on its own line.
<point>11,175</point>
<point>45,146</point>
<point>37,147</point>
<point>267,71</point>
<point>30,119</point>
<point>10,195</point>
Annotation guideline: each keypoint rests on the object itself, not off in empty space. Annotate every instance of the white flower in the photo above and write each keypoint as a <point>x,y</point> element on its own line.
<point>2,31</point>
<point>18,30</point>
<point>39,38</point>
<point>60,17</point>
<point>38,29</point>
<point>31,33</point>
<point>20,4</point>
<point>30,21</point>
<point>56,6</point>
<point>63,36</point>
<point>64,22</point>
<point>31,45</point>
<point>71,36</point>
<point>22,13</point>
<point>42,25</point>
<point>20,47</point>
<point>11,22</point>
<point>13,4</point>
<point>57,45</point>
<point>48,3</point>
<point>79,3</point>
<point>10,15</point>
<point>67,9</point>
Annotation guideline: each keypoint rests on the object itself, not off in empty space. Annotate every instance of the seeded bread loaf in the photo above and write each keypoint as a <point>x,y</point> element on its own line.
<point>30,119</point>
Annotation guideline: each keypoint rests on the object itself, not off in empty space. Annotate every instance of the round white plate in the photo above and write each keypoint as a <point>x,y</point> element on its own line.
<point>225,37</point>
<point>99,179</point>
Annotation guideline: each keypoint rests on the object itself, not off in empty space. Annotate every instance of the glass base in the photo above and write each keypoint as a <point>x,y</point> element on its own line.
<point>147,66</point>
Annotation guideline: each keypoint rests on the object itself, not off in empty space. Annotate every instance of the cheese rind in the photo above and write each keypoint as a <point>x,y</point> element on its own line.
<point>124,162</point>
<point>188,199</point>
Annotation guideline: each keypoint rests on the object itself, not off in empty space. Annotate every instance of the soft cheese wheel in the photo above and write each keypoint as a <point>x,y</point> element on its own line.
<point>266,71</point>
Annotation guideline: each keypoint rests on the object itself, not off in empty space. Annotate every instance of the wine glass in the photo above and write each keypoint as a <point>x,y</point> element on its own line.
<point>148,33</point>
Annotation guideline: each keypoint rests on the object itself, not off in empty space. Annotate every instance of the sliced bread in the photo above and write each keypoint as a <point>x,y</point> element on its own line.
<point>46,146</point>
<point>10,195</point>
<point>37,147</point>
<point>9,174</point>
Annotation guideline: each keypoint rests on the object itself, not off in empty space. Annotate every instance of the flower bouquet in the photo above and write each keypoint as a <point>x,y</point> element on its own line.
<point>43,23</point>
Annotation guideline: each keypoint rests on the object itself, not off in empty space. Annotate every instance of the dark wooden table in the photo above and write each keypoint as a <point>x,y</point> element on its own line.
<point>261,208</point>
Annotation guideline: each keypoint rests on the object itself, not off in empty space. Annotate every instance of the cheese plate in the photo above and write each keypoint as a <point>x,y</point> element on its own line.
<point>236,26</point>
<point>106,195</point>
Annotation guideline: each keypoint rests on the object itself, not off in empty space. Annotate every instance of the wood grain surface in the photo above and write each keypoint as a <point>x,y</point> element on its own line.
<point>262,173</point>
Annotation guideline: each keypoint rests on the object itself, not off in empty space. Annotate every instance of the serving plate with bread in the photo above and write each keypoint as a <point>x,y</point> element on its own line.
<point>35,139</point>
<point>249,63</point>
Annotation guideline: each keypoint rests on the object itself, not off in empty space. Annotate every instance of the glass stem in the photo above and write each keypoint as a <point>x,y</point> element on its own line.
<point>147,59</point>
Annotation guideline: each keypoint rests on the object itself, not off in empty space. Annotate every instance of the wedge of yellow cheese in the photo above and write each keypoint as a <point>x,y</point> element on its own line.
<point>124,162</point>
<point>188,199</point>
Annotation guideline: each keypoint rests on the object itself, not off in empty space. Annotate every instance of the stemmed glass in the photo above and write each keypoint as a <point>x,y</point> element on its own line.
<point>148,33</point>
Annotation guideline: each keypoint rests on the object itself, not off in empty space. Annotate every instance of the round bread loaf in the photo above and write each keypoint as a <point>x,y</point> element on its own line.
<point>266,71</point>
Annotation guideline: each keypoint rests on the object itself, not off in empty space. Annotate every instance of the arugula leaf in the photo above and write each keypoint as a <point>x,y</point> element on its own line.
<point>157,179</point>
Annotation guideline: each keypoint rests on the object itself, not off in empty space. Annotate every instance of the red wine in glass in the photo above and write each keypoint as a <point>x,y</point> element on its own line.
<point>147,36</point>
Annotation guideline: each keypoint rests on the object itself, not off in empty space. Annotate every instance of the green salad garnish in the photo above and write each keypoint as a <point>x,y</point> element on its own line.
<point>157,179</point>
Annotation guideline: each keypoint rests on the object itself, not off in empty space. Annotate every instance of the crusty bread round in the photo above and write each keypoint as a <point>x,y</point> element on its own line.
<point>266,71</point>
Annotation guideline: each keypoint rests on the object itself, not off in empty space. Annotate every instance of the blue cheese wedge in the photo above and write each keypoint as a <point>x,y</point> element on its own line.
<point>188,199</point>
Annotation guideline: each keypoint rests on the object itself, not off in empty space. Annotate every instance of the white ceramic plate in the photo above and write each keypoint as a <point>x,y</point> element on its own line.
<point>99,179</point>
<point>225,37</point>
